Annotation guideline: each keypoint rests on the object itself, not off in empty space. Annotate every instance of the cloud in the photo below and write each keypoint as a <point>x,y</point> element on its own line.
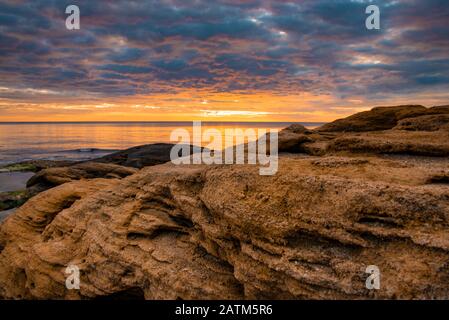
<point>318,47</point>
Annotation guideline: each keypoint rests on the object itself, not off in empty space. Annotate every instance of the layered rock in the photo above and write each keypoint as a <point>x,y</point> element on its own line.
<point>393,142</point>
<point>406,130</point>
<point>53,173</point>
<point>344,198</point>
<point>52,177</point>
<point>380,118</point>
<point>225,232</point>
<point>432,122</point>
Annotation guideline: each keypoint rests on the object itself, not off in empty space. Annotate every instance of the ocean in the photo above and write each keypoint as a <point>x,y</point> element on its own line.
<point>87,140</point>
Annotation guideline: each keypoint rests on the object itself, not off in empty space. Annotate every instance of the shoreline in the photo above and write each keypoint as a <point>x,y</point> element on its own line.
<point>81,141</point>
<point>374,195</point>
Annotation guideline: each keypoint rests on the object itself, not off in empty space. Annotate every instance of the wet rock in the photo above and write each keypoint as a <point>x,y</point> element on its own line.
<point>141,156</point>
<point>13,199</point>
<point>51,177</point>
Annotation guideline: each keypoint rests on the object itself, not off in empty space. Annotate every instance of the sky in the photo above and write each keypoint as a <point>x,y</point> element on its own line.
<point>224,60</point>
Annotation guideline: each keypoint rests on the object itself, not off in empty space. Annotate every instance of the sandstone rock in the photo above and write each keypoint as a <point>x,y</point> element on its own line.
<point>393,142</point>
<point>296,128</point>
<point>291,142</point>
<point>442,177</point>
<point>425,123</point>
<point>291,138</point>
<point>52,177</point>
<point>297,139</point>
<point>225,232</point>
<point>379,118</point>
<point>438,110</point>
<point>369,132</point>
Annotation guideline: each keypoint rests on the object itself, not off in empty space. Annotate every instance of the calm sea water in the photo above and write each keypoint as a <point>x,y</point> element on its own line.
<point>82,141</point>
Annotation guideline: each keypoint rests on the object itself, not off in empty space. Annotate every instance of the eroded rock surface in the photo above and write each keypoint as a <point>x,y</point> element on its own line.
<point>407,130</point>
<point>52,177</point>
<point>432,122</point>
<point>225,232</point>
<point>344,198</point>
<point>380,118</point>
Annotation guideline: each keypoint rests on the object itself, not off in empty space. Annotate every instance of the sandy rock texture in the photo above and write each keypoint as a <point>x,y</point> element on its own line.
<point>196,232</point>
<point>411,130</point>
<point>225,232</point>
<point>381,118</point>
<point>52,177</point>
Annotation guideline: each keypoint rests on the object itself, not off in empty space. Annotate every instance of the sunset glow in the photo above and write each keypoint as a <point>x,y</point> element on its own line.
<point>218,60</point>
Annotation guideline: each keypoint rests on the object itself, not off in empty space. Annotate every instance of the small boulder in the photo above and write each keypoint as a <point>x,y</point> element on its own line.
<point>297,128</point>
<point>141,156</point>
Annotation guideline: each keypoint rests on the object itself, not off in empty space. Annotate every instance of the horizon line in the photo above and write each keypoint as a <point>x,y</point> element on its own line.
<point>68,122</point>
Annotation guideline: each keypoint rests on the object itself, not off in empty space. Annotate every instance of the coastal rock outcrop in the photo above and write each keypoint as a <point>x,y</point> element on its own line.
<point>403,130</point>
<point>380,118</point>
<point>51,173</point>
<point>35,165</point>
<point>344,198</point>
<point>225,232</point>
<point>52,177</point>
<point>289,141</point>
<point>141,156</point>
<point>433,122</point>
<point>393,142</point>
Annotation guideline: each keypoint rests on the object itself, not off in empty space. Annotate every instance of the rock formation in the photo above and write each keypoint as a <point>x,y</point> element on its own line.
<point>141,156</point>
<point>35,165</point>
<point>51,173</point>
<point>225,232</point>
<point>52,177</point>
<point>380,118</point>
<point>433,122</point>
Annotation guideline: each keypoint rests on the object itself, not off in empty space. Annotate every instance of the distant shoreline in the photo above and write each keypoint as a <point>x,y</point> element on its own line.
<point>163,122</point>
<point>26,141</point>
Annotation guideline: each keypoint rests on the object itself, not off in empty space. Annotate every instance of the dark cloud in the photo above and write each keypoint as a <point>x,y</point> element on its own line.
<point>126,69</point>
<point>126,55</point>
<point>319,46</point>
